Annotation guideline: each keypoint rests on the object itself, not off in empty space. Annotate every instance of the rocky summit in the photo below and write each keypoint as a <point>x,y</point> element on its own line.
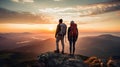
<point>51,59</point>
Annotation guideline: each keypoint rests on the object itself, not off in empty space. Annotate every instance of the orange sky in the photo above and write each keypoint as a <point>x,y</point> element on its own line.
<point>38,16</point>
<point>28,28</point>
<point>50,28</point>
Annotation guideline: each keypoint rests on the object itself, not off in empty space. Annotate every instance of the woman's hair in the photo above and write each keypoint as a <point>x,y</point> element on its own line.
<point>72,22</point>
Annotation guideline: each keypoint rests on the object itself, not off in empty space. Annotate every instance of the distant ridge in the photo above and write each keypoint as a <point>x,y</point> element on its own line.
<point>38,46</point>
<point>108,36</point>
<point>102,45</point>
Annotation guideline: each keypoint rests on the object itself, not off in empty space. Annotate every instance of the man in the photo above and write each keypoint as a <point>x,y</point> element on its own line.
<point>72,36</point>
<point>59,35</point>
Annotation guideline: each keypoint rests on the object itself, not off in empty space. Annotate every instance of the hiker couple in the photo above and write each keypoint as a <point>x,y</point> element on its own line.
<point>72,36</point>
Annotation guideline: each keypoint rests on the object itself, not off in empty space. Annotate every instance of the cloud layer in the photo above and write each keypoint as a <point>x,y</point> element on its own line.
<point>93,9</point>
<point>7,16</point>
<point>100,8</point>
<point>73,12</point>
<point>23,1</point>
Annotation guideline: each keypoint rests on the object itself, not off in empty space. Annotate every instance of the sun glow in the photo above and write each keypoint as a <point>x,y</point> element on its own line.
<point>51,28</point>
<point>27,27</point>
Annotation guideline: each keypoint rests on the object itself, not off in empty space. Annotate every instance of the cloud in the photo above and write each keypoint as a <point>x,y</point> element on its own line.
<point>57,0</point>
<point>7,16</point>
<point>55,10</point>
<point>88,10</point>
<point>23,1</point>
<point>70,13</point>
<point>100,8</point>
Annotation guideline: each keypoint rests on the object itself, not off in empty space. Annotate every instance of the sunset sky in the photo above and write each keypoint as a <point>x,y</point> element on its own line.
<point>43,15</point>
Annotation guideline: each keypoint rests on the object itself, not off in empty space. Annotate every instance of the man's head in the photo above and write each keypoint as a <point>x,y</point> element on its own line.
<point>60,20</point>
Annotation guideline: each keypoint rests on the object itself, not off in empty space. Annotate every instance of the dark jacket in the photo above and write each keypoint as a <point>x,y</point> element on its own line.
<point>72,38</point>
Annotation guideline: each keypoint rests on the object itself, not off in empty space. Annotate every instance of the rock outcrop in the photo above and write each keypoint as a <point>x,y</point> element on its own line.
<point>52,59</point>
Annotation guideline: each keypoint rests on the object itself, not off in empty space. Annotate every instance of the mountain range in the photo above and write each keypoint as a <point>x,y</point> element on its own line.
<point>100,45</point>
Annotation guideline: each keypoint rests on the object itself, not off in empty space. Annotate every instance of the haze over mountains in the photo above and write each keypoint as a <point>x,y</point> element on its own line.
<point>101,45</point>
<point>38,46</point>
<point>15,40</point>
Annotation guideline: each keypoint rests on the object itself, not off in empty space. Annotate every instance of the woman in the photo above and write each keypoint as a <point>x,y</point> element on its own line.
<point>72,36</point>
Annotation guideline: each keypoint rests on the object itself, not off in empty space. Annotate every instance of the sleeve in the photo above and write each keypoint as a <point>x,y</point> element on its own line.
<point>65,29</point>
<point>77,34</point>
<point>69,33</point>
<point>56,30</point>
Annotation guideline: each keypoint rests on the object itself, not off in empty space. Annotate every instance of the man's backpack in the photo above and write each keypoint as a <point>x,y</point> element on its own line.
<point>73,30</point>
<point>63,29</point>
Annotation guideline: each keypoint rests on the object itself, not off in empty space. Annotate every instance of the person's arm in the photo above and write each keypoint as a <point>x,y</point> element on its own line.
<point>65,29</point>
<point>77,33</point>
<point>56,31</point>
<point>68,33</point>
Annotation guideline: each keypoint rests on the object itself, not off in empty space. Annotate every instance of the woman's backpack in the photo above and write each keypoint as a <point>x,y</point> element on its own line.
<point>73,30</point>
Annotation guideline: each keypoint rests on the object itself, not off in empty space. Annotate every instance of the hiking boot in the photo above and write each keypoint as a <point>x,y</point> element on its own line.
<point>73,55</point>
<point>62,52</point>
<point>57,51</point>
<point>70,54</point>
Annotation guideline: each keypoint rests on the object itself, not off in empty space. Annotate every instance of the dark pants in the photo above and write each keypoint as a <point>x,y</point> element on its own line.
<point>72,42</point>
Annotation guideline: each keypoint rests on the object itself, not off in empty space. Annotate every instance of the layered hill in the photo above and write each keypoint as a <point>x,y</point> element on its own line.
<point>102,45</point>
